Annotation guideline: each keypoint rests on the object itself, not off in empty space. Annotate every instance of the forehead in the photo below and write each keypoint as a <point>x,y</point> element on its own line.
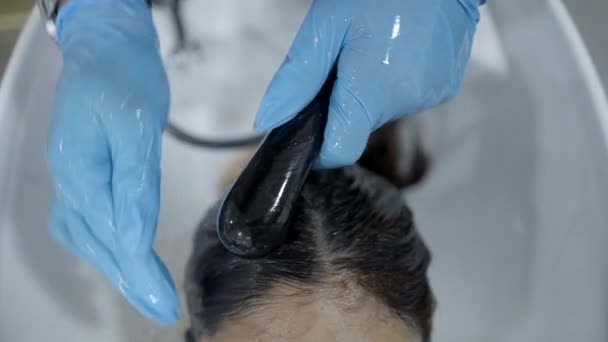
<point>319,316</point>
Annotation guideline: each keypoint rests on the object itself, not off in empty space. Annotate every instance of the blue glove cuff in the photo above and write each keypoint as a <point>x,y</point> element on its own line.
<point>471,7</point>
<point>67,11</point>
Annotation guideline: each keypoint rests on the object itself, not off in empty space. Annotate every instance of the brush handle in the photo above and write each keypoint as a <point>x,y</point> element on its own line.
<point>254,217</point>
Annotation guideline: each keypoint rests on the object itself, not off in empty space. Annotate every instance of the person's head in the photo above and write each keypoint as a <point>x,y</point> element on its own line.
<point>353,268</point>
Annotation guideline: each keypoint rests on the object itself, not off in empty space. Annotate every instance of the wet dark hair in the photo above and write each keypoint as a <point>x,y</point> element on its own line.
<point>351,221</point>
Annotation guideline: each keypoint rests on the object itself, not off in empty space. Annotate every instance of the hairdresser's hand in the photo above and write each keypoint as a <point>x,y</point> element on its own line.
<point>104,148</point>
<point>395,57</point>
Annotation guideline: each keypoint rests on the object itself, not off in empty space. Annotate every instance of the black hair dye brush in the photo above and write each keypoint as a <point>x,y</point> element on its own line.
<point>255,214</point>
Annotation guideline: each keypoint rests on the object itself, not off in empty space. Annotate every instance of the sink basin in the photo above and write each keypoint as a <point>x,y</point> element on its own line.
<point>513,210</point>
<point>10,26</point>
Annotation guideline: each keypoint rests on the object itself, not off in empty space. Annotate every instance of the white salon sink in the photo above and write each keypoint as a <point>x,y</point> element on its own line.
<point>514,210</point>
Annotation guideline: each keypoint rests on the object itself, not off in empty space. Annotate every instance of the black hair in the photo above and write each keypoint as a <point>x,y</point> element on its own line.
<point>347,221</point>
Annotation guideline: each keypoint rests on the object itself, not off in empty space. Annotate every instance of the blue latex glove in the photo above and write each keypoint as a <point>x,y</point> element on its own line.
<point>395,57</point>
<point>104,148</point>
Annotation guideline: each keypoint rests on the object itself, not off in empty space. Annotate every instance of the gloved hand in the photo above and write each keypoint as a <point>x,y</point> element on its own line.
<point>104,148</point>
<point>395,57</point>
